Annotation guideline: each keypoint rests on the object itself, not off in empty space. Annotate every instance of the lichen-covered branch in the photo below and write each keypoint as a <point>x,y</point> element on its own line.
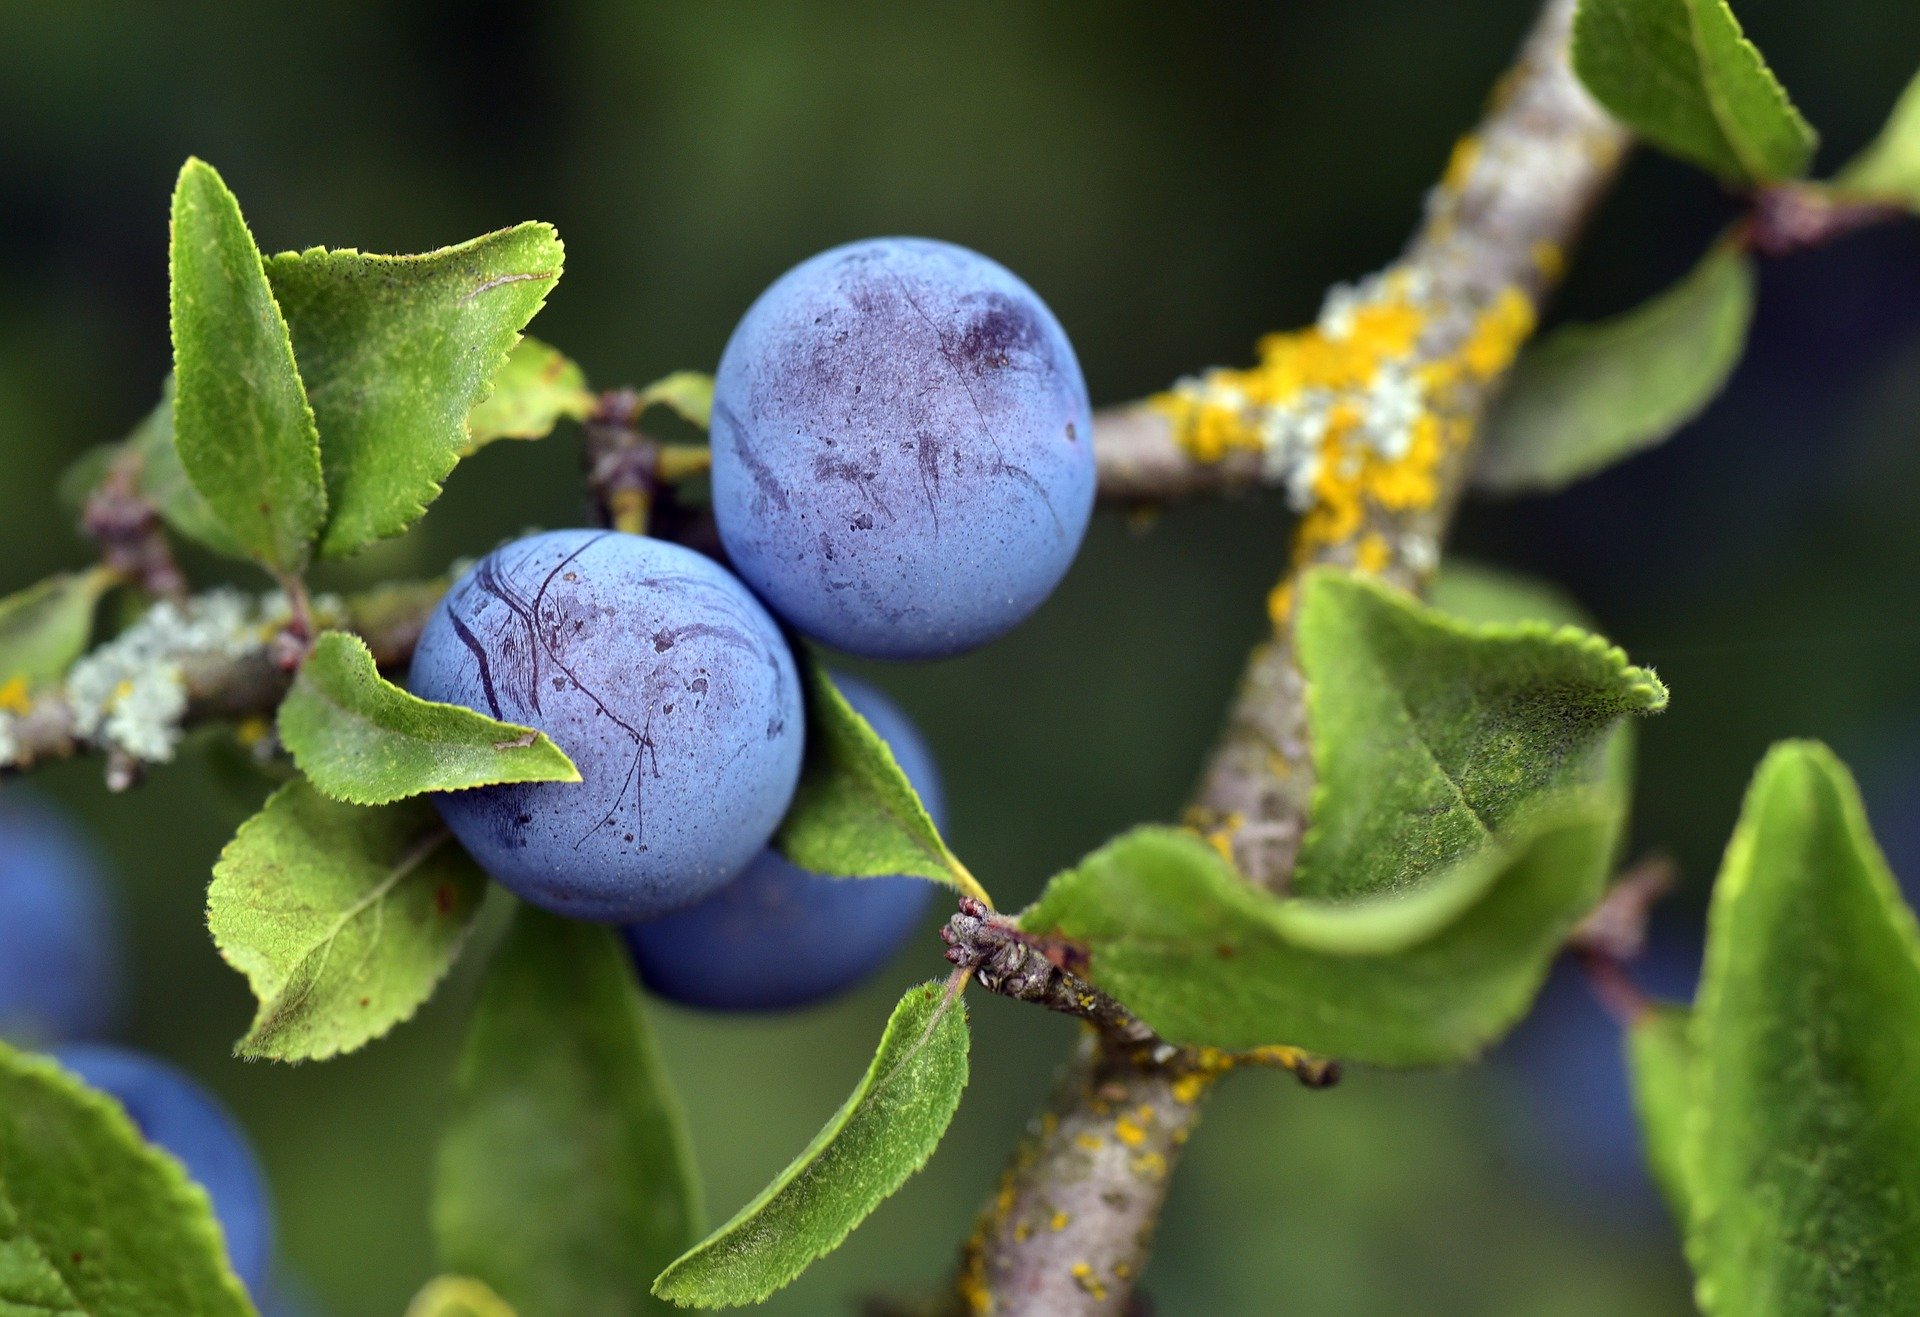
<point>1366,419</point>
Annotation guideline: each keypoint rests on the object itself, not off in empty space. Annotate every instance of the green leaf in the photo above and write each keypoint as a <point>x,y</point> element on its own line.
<point>1431,735</point>
<point>855,815</point>
<point>688,393</point>
<point>342,918</point>
<point>884,1133</point>
<point>565,1180</point>
<point>44,628</point>
<point>1660,1063</point>
<point>1475,592</point>
<point>532,393</point>
<point>1423,977</point>
<point>362,739</point>
<point>241,422</point>
<point>396,351</point>
<point>94,1220</point>
<point>1889,169</point>
<point>1683,75</point>
<point>164,483</point>
<point>1587,396</point>
<point>1802,1151</point>
<point>457,1296</point>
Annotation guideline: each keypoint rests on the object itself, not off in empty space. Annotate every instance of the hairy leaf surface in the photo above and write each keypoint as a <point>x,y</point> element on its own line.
<point>241,422</point>
<point>884,1133</point>
<point>1587,396</point>
<point>855,815</point>
<point>94,1220</point>
<point>362,739</point>
<point>1802,1156</point>
<point>565,1180</point>
<point>1683,75</point>
<point>343,918</point>
<point>396,351</point>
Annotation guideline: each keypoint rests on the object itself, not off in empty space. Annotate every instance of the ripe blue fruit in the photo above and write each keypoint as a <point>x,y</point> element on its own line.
<point>902,448</point>
<point>175,1113</point>
<point>59,944</point>
<point>778,936</point>
<point>661,677</point>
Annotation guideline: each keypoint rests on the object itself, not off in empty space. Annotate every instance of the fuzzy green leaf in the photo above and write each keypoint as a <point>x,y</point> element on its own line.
<point>1683,75</point>
<point>44,628</point>
<point>536,388</point>
<point>362,739</point>
<point>1431,736</point>
<point>396,351</point>
<point>342,918</point>
<point>565,1179</point>
<point>457,1296</point>
<point>884,1133</point>
<point>1889,169</point>
<point>1802,1156</point>
<point>94,1220</point>
<point>855,815</point>
<point>1423,977</point>
<point>245,434</point>
<point>1587,396</point>
<point>1660,1063</point>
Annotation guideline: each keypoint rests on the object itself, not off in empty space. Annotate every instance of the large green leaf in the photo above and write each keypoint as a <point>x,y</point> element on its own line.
<point>884,1133</point>
<point>94,1220</point>
<point>1889,169</point>
<point>396,351</point>
<point>537,387</point>
<point>362,739</point>
<point>1423,977</point>
<point>1659,1047</point>
<point>1587,396</point>
<point>565,1181</point>
<point>342,918</point>
<point>44,628</point>
<point>1802,1160</point>
<point>1683,75</point>
<point>855,815</point>
<point>1431,735</point>
<point>245,434</point>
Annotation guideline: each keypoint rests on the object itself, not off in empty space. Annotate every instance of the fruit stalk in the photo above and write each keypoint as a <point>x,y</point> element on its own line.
<point>1068,1232</point>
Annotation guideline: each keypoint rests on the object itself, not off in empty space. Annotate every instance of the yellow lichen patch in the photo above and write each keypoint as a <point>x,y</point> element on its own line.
<point>1123,1269</point>
<point>1498,334</point>
<point>1280,604</point>
<point>13,695</point>
<point>252,730</point>
<point>971,1284</point>
<point>1129,1132</point>
<point>1150,1165</point>
<point>1082,1273</point>
<point>1058,1221</point>
<point>1372,553</point>
<point>1090,1142</point>
<point>1549,258</point>
<point>1188,1089</point>
<point>1466,154</point>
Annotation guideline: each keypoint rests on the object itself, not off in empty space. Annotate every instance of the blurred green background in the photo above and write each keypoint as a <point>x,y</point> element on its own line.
<point>1175,180</point>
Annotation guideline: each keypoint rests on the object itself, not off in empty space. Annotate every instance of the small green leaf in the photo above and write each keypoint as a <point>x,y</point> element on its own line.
<point>163,480</point>
<point>1802,1149</point>
<point>1660,1062</point>
<point>1587,396</point>
<point>1475,592</point>
<point>537,387</point>
<point>1431,736</point>
<point>565,1180</point>
<point>94,1220</point>
<point>884,1133</point>
<point>687,393</point>
<point>342,918</point>
<point>44,628</point>
<point>1889,169</point>
<point>1423,977</point>
<point>362,739</point>
<point>855,815</point>
<point>241,422</point>
<point>1683,75</point>
<point>396,351</point>
<point>457,1296</point>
